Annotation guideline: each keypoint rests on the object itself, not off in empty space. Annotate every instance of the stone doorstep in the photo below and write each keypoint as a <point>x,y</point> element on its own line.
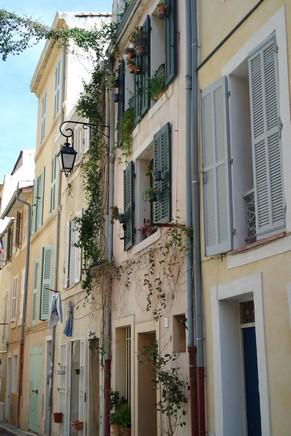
<point>14,430</point>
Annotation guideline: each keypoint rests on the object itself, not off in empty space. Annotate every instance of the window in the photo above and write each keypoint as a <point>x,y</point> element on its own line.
<point>179,333</point>
<point>81,141</point>
<point>242,162</point>
<point>57,89</point>
<point>72,255</point>
<point>14,298</point>
<point>153,47</point>
<point>53,184</point>
<point>4,318</point>
<point>43,117</point>
<point>34,292</point>
<point>19,229</point>
<point>147,189</point>
<point>21,307</point>
<point>38,201</point>
<point>14,374</point>
<point>123,362</point>
<point>46,282</point>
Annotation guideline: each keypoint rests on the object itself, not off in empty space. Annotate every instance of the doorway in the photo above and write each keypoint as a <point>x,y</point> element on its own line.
<point>147,414</point>
<point>34,389</point>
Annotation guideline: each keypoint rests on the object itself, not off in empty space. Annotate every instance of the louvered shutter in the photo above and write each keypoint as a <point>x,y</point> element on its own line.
<point>34,293</point>
<point>266,139</point>
<point>82,383</point>
<point>121,100</point>
<point>14,299</point>
<point>146,67</point>
<point>137,91</point>
<point>21,297</point>
<point>162,165</point>
<point>216,169</point>
<point>53,184</point>
<point>128,206</point>
<point>34,207</point>
<point>4,317</point>
<point>46,277</point>
<point>77,257</point>
<point>171,42</point>
<point>61,382</point>
<point>72,253</point>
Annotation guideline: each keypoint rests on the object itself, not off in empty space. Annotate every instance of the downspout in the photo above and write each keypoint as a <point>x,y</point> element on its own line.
<point>198,307</point>
<point>58,224</point>
<point>188,222</point>
<point>22,337</point>
<point>107,329</point>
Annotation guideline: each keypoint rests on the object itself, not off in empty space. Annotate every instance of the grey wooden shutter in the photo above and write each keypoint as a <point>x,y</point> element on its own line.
<point>171,42</point>
<point>146,66</point>
<point>34,292</point>
<point>266,139</point>
<point>128,206</point>
<point>121,99</point>
<point>46,277</point>
<point>34,206</point>
<point>162,184</point>
<point>216,169</point>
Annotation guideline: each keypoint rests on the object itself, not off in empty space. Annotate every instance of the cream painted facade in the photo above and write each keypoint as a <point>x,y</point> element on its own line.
<point>251,271</point>
<point>17,187</point>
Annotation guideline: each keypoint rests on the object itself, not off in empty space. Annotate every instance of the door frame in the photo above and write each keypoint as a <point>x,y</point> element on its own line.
<point>238,289</point>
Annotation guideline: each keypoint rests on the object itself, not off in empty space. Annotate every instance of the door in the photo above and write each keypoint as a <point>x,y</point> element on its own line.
<point>47,386</point>
<point>34,389</point>
<point>8,389</point>
<point>251,382</point>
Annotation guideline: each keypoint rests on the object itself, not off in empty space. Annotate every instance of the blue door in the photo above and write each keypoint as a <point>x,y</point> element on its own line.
<point>251,382</point>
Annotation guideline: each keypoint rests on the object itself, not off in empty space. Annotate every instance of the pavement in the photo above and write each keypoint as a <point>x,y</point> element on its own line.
<point>10,430</point>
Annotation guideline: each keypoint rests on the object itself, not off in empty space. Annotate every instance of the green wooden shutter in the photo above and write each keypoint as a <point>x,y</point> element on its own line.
<point>162,184</point>
<point>34,206</point>
<point>266,139</point>
<point>46,277</point>
<point>34,293</point>
<point>121,100</point>
<point>137,91</point>
<point>216,169</point>
<point>128,206</point>
<point>146,67</point>
<point>171,42</point>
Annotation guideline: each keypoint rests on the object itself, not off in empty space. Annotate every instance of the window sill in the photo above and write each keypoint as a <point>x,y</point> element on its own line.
<point>146,242</point>
<point>165,97</point>
<point>262,249</point>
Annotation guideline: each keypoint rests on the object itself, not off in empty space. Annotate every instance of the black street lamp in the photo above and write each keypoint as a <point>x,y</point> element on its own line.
<point>67,151</point>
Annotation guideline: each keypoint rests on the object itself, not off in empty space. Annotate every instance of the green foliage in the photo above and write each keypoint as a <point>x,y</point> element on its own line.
<point>19,33</point>
<point>125,131</point>
<point>172,389</point>
<point>119,410</point>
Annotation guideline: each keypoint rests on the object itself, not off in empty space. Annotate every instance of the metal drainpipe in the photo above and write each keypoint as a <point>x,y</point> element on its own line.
<point>188,222</point>
<point>27,258</point>
<point>198,307</point>
<point>58,223</point>
<point>107,329</point>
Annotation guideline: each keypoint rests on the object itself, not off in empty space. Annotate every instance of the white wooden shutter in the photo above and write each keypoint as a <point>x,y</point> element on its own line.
<point>14,298</point>
<point>266,139</point>
<point>4,317</point>
<point>46,282</point>
<point>57,88</point>
<point>21,297</point>
<point>72,254</point>
<point>53,184</point>
<point>86,140</point>
<point>34,207</point>
<point>216,169</point>
<point>77,255</point>
<point>82,386</point>
<point>34,292</point>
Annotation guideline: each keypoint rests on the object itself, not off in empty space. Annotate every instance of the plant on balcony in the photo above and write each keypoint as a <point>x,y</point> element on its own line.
<point>131,66</point>
<point>120,416</point>
<point>161,9</point>
<point>138,40</point>
<point>125,131</point>
<point>147,229</point>
<point>129,52</point>
<point>156,84</point>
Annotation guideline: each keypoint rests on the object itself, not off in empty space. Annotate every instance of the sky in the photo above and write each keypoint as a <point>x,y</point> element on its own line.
<point>18,106</point>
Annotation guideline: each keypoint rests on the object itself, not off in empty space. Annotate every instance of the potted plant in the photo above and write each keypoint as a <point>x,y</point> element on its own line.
<point>161,9</point>
<point>125,419</point>
<point>131,66</point>
<point>129,52</point>
<point>77,425</point>
<point>156,84</point>
<point>147,229</point>
<point>115,418</point>
<point>58,417</point>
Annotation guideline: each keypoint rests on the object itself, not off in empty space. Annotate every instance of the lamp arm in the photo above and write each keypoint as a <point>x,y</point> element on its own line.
<point>85,126</point>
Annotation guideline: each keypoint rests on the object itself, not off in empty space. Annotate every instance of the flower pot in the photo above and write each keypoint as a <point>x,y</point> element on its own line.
<point>115,430</point>
<point>125,431</point>
<point>131,68</point>
<point>137,70</point>
<point>161,10</point>
<point>140,50</point>
<point>77,425</point>
<point>58,417</point>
